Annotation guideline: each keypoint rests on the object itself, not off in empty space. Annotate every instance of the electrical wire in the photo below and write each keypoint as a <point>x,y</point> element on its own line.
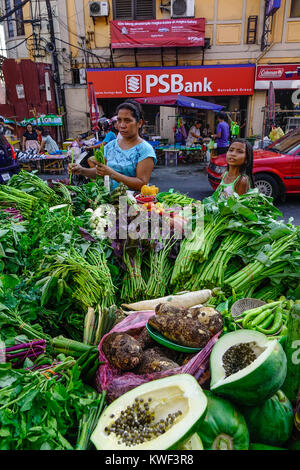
<point>18,45</point>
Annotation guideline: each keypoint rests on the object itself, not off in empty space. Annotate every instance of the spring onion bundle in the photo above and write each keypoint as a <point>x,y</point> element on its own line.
<point>31,184</point>
<point>12,197</point>
<point>257,269</point>
<point>133,286</point>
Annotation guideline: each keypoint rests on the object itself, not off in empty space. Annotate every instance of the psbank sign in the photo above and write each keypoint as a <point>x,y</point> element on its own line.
<point>190,81</point>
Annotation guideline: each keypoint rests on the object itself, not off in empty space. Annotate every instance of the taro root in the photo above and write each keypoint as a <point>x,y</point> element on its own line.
<point>122,351</point>
<point>182,330</point>
<point>166,309</point>
<point>145,339</point>
<point>208,317</point>
<point>153,360</point>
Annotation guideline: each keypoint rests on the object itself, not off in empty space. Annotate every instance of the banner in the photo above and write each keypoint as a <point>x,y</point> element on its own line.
<point>185,32</point>
<point>188,81</point>
<point>284,77</point>
<point>45,120</point>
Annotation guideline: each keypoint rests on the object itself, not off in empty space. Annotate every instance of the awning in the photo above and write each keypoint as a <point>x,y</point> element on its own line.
<point>179,100</point>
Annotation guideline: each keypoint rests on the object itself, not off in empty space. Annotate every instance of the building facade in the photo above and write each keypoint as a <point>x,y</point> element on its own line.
<point>242,39</point>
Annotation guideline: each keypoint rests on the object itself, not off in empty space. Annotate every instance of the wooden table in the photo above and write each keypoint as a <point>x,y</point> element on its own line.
<point>51,164</point>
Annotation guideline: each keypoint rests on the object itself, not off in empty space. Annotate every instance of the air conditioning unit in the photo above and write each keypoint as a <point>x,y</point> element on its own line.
<point>99,8</point>
<point>182,8</point>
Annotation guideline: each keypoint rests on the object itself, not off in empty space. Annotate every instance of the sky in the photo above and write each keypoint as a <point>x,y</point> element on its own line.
<point>2,41</point>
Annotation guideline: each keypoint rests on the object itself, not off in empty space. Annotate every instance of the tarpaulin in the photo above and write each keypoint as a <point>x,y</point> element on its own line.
<point>184,32</point>
<point>178,100</point>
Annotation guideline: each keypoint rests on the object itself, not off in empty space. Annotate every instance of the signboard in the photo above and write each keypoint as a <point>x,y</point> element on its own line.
<point>185,32</point>
<point>20,92</point>
<point>284,77</point>
<point>45,120</point>
<point>273,6</point>
<point>188,81</point>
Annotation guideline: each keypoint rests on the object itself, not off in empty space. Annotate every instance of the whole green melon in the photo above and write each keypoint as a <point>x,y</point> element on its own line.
<point>224,427</point>
<point>272,421</point>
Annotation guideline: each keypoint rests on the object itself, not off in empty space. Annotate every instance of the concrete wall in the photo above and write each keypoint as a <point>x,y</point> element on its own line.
<point>167,123</point>
<point>77,109</point>
<point>258,115</point>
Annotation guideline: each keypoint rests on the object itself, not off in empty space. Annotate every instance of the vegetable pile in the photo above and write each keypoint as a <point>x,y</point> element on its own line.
<point>87,288</point>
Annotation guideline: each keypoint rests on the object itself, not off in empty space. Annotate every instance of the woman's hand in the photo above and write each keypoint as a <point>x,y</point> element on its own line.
<point>76,169</point>
<point>103,170</point>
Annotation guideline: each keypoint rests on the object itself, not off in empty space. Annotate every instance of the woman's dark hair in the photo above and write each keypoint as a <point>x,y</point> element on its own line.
<point>134,107</point>
<point>247,167</point>
<point>42,130</point>
<point>222,115</point>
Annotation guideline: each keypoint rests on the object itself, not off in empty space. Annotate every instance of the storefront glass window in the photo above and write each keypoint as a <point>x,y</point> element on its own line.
<point>134,9</point>
<point>295,9</point>
<point>19,19</point>
<point>10,24</point>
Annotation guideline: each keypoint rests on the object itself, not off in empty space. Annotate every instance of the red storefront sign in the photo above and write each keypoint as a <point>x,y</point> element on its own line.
<point>188,81</point>
<point>186,32</point>
<point>282,76</point>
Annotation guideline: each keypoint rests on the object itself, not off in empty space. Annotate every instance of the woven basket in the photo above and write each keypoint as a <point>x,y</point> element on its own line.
<point>245,304</point>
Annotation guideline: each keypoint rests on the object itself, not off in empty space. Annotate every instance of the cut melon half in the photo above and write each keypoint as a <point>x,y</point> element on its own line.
<point>263,372</point>
<point>164,397</point>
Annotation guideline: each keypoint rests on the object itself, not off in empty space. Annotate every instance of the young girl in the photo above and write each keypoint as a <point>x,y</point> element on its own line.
<point>239,175</point>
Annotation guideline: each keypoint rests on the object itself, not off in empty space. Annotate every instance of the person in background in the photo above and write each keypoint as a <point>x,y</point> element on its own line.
<point>194,134</point>
<point>130,159</point>
<point>30,139</point>
<point>47,143</point>
<point>110,134</point>
<point>239,175</point>
<point>276,133</point>
<point>4,126</point>
<point>206,132</point>
<point>222,134</point>
<point>75,146</point>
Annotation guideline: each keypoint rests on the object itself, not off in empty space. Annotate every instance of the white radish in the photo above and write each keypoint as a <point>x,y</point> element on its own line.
<point>185,300</point>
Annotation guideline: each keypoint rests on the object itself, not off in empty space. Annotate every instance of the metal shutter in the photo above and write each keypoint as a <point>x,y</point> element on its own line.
<point>123,10</point>
<point>144,9</point>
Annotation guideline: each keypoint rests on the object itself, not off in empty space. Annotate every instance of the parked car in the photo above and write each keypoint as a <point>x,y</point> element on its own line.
<point>9,165</point>
<point>276,169</point>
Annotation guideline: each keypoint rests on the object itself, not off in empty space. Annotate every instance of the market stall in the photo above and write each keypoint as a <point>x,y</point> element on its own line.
<point>182,103</point>
<point>128,342</point>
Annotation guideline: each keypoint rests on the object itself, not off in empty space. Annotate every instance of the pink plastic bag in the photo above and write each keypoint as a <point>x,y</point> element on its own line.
<point>117,382</point>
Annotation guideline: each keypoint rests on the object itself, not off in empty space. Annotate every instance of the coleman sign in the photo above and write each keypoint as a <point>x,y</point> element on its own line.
<point>188,81</point>
<point>285,77</point>
<point>186,32</point>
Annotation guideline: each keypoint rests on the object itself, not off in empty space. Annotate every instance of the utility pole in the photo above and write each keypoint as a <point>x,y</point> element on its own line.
<point>60,94</point>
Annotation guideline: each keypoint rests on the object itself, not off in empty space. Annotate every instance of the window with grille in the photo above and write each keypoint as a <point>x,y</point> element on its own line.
<point>295,9</point>
<point>134,9</point>
<point>10,23</point>
<point>19,19</point>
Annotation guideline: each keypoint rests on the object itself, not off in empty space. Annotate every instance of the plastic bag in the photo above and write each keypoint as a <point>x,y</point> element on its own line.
<point>117,382</point>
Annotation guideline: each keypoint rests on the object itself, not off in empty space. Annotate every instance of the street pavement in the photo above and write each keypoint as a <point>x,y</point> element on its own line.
<point>190,179</point>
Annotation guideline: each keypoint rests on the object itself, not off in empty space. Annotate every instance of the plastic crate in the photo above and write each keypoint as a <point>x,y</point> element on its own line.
<point>171,158</point>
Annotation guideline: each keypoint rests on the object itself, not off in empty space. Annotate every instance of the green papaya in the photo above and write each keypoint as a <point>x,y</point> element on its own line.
<point>272,421</point>
<point>224,427</point>
<point>264,447</point>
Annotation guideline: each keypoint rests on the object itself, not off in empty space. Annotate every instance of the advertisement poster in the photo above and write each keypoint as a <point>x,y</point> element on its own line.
<point>185,32</point>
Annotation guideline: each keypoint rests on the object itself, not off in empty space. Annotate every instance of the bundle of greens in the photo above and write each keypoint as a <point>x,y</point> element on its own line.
<point>31,184</point>
<point>43,410</point>
<point>12,197</point>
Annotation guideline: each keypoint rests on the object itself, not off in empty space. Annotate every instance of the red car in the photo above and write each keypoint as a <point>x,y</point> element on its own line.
<point>276,169</point>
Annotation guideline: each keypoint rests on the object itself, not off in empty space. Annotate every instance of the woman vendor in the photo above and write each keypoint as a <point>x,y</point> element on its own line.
<point>30,139</point>
<point>130,159</point>
<point>239,175</point>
